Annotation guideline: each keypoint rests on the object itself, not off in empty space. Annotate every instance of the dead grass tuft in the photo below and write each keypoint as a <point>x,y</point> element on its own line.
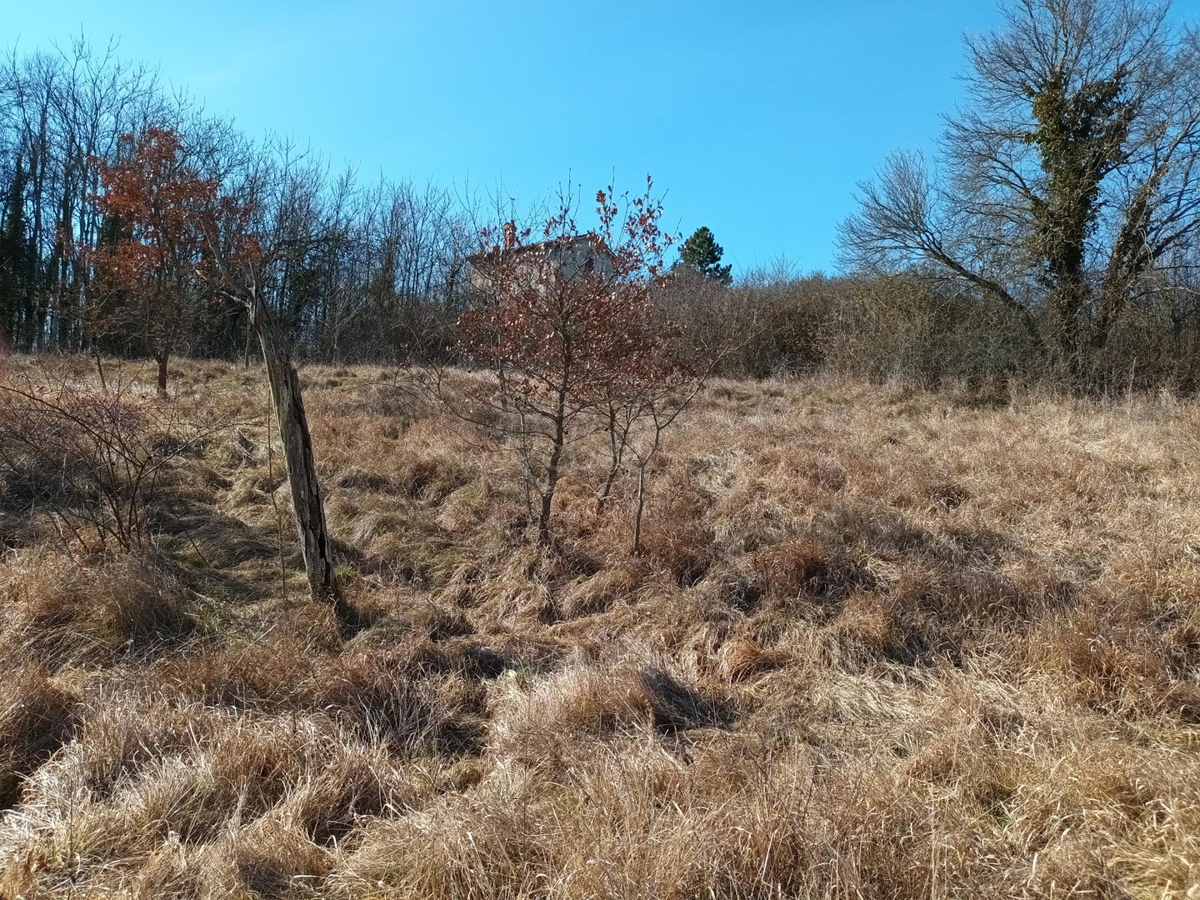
<point>58,612</point>
<point>36,718</point>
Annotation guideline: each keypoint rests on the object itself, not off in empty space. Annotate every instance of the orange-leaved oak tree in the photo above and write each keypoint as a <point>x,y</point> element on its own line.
<point>147,265</point>
<point>566,322</point>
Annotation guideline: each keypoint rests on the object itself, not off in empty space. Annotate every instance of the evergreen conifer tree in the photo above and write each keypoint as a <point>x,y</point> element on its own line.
<point>16,259</point>
<point>702,254</point>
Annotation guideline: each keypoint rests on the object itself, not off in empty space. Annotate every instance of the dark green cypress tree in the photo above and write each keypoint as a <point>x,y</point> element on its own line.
<point>702,254</point>
<point>16,259</point>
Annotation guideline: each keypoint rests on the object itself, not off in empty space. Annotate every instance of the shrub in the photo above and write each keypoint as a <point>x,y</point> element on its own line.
<point>90,458</point>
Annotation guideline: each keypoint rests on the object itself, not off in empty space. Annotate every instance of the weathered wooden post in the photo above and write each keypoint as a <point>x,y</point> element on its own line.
<point>288,402</point>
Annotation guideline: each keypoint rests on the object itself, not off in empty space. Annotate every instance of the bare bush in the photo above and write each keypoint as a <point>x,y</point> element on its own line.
<point>90,457</point>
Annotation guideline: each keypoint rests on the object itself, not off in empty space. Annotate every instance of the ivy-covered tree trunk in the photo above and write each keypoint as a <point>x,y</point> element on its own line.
<point>1079,135</point>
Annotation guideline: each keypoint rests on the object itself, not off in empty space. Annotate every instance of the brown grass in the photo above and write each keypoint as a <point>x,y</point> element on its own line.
<point>882,642</point>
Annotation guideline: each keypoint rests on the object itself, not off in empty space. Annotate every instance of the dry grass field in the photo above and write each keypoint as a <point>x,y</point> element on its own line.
<point>882,643</point>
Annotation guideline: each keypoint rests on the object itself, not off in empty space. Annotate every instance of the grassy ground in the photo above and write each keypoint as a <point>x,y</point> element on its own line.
<point>882,643</point>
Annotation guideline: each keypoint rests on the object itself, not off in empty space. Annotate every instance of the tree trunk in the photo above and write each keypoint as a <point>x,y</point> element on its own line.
<point>162,359</point>
<point>639,509</point>
<point>301,469</point>
<point>602,498</point>
<point>643,464</point>
<point>1067,302</point>
<point>552,471</point>
<point>100,370</point>
<point>616,445</point>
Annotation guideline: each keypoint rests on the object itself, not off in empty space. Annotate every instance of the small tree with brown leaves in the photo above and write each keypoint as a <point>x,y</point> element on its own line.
<point>563,322</point>
<point>148,267</point>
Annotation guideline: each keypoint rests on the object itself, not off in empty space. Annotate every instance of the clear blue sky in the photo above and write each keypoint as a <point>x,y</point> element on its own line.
<point>757,117</point>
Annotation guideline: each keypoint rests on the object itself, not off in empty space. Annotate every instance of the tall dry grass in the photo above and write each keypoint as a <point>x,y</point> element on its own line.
<point>882,642</point>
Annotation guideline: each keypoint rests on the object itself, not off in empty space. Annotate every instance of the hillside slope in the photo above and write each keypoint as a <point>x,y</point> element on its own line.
<point>883,642</point>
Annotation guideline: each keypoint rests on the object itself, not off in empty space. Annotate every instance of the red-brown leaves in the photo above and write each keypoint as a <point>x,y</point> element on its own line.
<point>158,201</point>
<point>573,314</point>
<point>154,204</point>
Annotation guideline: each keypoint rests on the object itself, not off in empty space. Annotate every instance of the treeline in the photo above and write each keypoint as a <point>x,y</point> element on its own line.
<point>370,268</point>
<point>1053,236</point>
<point>918,327</point>
<point>1053,239</point>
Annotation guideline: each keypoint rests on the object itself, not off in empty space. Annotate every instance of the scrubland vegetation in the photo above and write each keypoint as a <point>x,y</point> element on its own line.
<point>881,642</point>
<point>549,559</point>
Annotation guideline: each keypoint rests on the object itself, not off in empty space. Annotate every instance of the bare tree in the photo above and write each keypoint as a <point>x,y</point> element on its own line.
<point>1069,178</point>
<point>650,415</point>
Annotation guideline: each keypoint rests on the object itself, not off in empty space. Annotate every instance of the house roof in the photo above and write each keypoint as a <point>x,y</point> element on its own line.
<point>551,243</point>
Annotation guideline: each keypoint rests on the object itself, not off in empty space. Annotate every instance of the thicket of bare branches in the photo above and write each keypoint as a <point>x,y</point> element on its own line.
<point>1067,191</point>
<point>90,457</point>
